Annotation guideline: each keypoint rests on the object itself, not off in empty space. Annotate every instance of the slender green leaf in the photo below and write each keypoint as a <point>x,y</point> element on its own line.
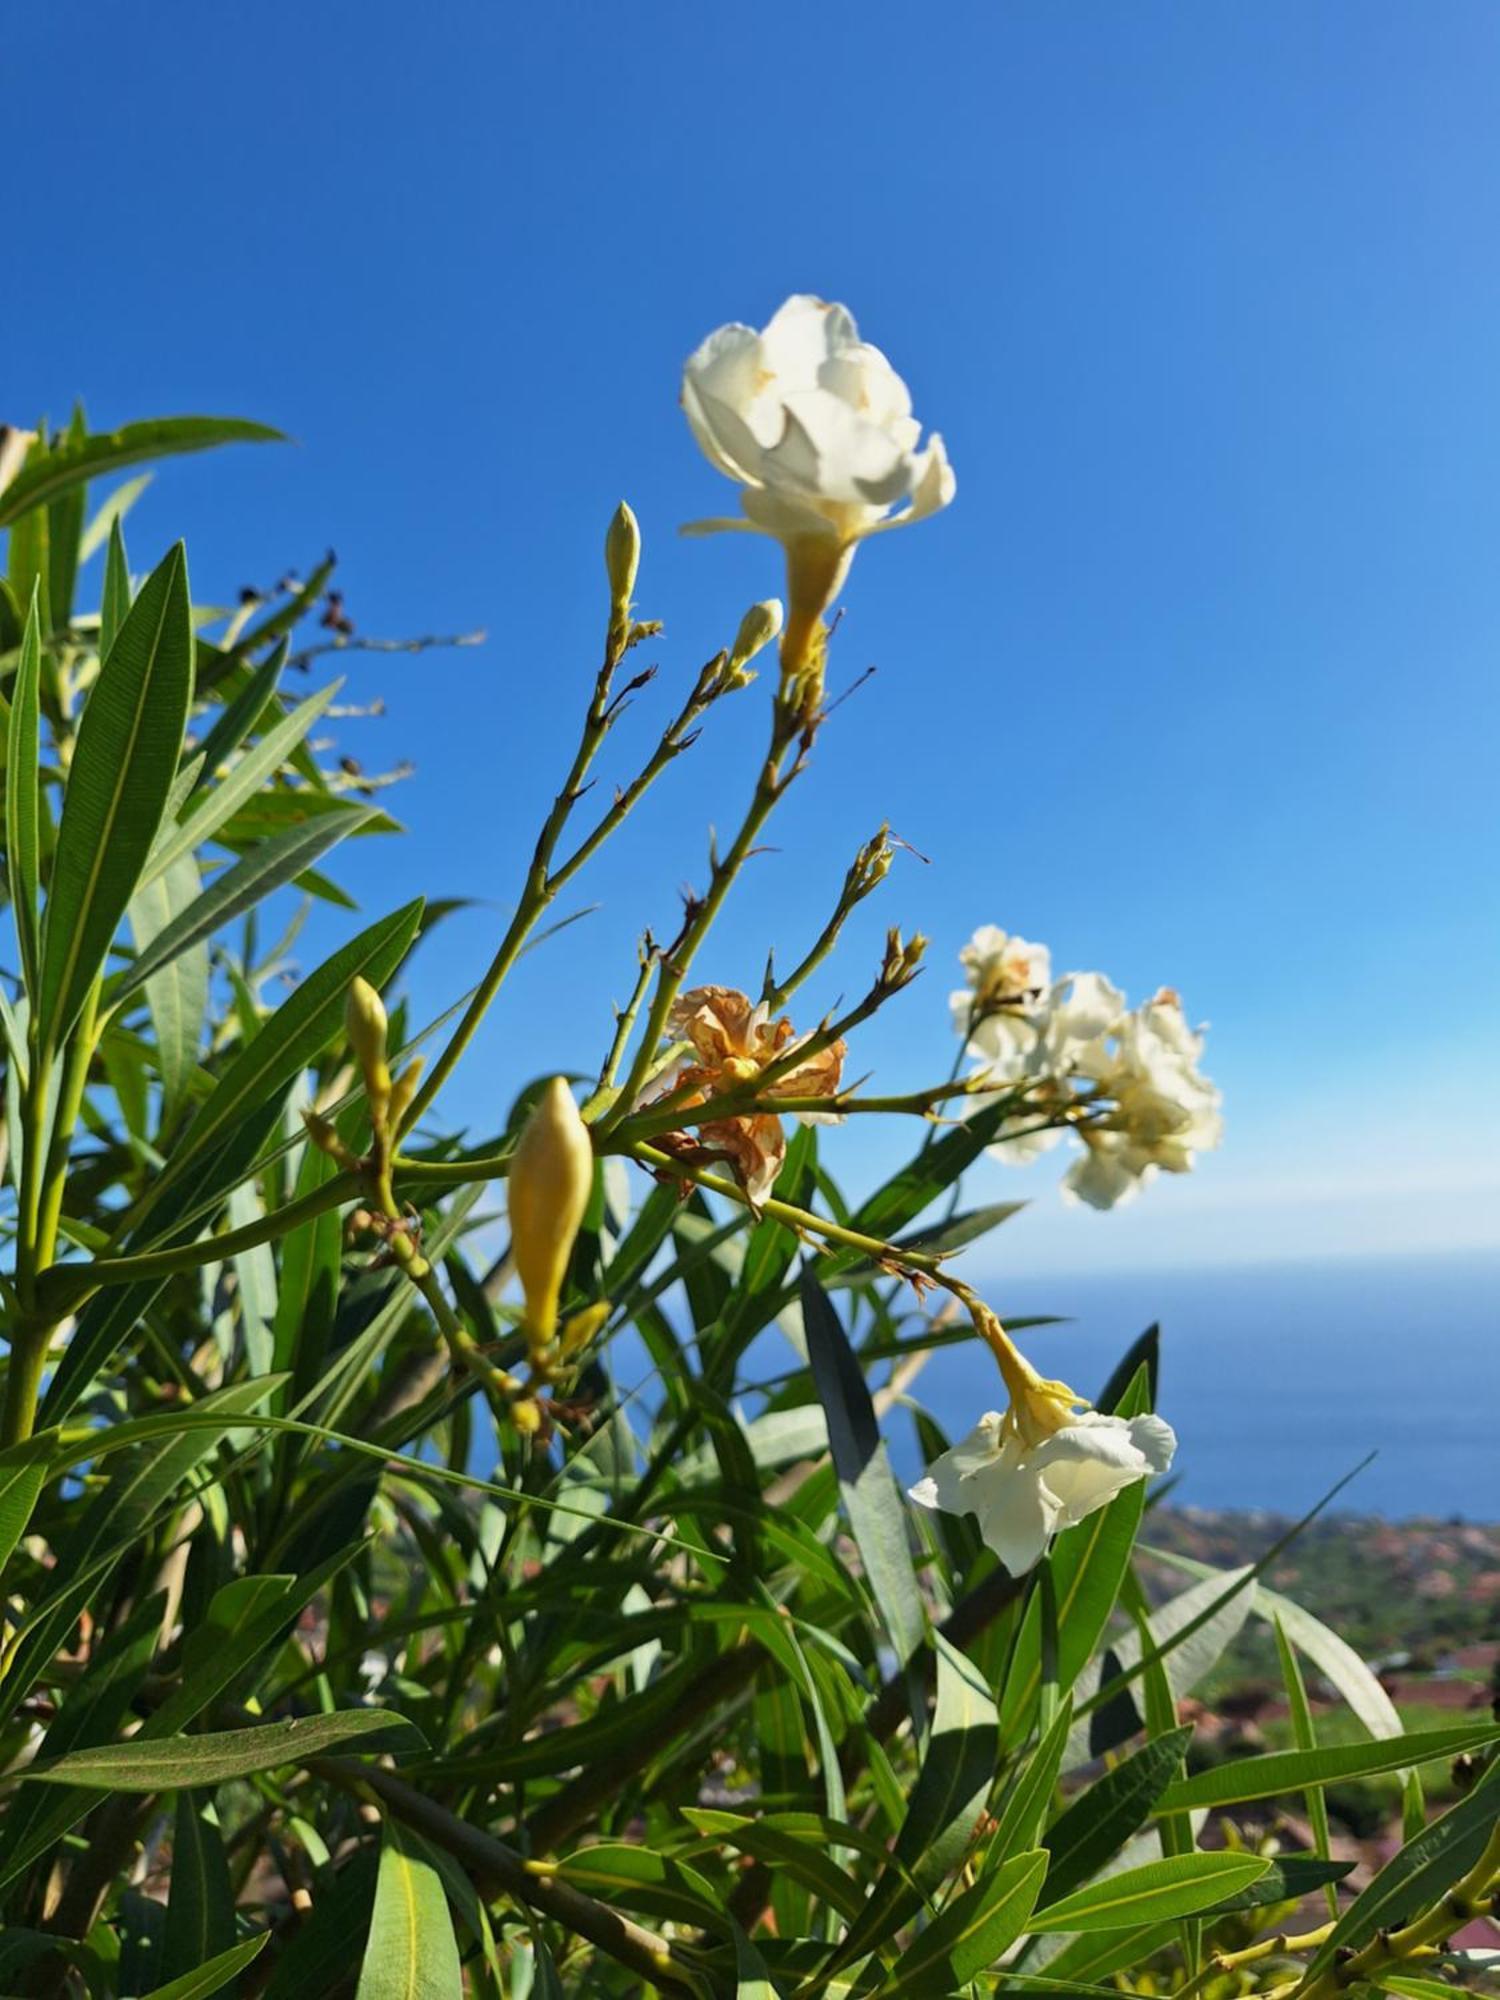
<point>412,1953</point>
<point>200,1905</point>
<point>75,461</point>
<point>946,1801</point>
<point>1173,1887</point>
<point>1289,1878</point>
<point>22,799</point>
<point>110,512</point>
<point>972,1932</point>
<point>24,1471</point>
<point>64,532</point>
<point>114,602</point>
<point>240,888</point>
<point>752,1978</point>
<point>208,811</point>
<point>216,1975</point>
<point>1304,1736</point>
<point>296,1034</point>
<point>176,994</point>
<point>1425,1869</point>
<point>639,1879</point>
<point>1282,1771</point>
<point>1102,1818</point>
<point>1024,1811</point>
<point>808,1858</point>
<point>122,770</point>
<point>214,1757</point>
<point>877,1512</point>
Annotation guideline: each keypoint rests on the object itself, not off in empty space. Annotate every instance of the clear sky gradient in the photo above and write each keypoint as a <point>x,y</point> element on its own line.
<point>1195,681</point>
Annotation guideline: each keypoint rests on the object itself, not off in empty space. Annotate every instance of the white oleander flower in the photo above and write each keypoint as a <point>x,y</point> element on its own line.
<point>816,426</point>
<point>1021,1497</point>
<point>1165,1112</point>
<point>1067,1050</point>
<point>1007,976</point>
<point>1043,1465</point>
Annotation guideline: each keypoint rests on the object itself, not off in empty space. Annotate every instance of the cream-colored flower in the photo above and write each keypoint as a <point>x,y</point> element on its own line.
<point>1022,1494</point>
<point>1006,977</point>
<point>1046,1463</point>
<point>1127,1083</point>
<point>816,427</point>
<point>735,1040</point>
<point>1165,1111</point>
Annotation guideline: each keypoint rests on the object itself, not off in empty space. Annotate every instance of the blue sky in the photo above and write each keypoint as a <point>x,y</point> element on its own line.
<point>1195,681</point>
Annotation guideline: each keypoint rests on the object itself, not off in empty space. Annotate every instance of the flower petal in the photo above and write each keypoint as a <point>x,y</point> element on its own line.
<point>1017,1516</point>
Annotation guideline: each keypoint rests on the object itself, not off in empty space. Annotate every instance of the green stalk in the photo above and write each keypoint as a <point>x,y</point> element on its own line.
<point>676,962</point>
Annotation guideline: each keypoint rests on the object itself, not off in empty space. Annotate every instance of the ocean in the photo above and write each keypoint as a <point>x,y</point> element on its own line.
<point>1279,1378</point>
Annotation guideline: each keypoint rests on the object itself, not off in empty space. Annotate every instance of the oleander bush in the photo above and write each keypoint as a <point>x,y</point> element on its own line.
<point>402,1603</point>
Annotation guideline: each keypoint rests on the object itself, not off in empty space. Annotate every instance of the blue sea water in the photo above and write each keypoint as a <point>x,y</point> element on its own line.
<point>1281,1377</point>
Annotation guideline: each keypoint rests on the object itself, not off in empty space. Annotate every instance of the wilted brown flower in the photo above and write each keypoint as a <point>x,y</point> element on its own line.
<point>735,1041</point>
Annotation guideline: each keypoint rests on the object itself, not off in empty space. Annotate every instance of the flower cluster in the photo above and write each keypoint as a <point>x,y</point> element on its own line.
<point>735,1045</point>
<point>1124,1081</point>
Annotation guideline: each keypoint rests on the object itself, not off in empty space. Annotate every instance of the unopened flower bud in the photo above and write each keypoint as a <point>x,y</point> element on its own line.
<point>325,1138</point>
<point>870,866</point>
<point>759,626</point>
<point>551,1177</point>
<point>405,1088</point>
<point>580,1329</point>
<point>899,966</point>
<point>526,1415</point>
<point>622,559</point>
<point>365,1025</point>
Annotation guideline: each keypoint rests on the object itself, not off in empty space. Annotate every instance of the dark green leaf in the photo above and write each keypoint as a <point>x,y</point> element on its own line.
<point>1424,1870</point>
<point>200,1905</point>
<point>216,1975</point>
<point>1282,1771</point>
<point>972,1932</point>
<point>212,1758</point>
<point>1102,1818</point>
<point>24,1469</point>
<point>122,770</point>
<point>877,1512</point>
<point>22,800</point>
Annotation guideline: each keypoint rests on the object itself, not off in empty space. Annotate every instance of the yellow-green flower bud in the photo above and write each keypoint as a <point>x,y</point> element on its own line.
<point>405,1088</point>
<point>365,1025</point>
<point>581,1328</point>
<point>759,626</point>
<point>622,558</point>
<point>526,1415</point>
<point>551,1176</point>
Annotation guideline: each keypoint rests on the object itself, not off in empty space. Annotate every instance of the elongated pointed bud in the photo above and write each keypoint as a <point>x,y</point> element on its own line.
<point>366,1026</point>
<point>551,1176</point>
<point>405,1089</point>
<point>759,626</point>
<point>622,559</point>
